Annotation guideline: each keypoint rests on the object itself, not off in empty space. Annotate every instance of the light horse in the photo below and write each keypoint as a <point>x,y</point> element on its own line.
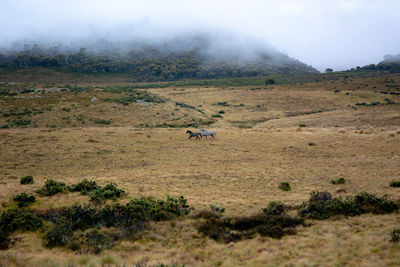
<point>192,134</point>
<point>213,134</point>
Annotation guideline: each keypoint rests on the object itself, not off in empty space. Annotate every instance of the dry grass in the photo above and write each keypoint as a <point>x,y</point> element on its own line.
<point>240,170</point>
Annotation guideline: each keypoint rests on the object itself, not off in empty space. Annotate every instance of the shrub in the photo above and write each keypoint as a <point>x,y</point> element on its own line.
<point>302,125</point>
<point>18,218</point>
<point>238,228</point>
<point>27,179</point>
<point>395,183</point>
<point>321,205</point>
<point>269,82</point>
<point>395,236</point>
<point>98,240</point>
<point>59,234</point>
<point>85,186</point>
<point>4,240</point>
<point>216,209</point>
<point>24,199</point>
<point>216,116</point>
<point>339,180</point>
<point>52,187</point>
<point>101,121</point>
<point>109,191</point>
<point>284,186</point>
<point>274,208</point>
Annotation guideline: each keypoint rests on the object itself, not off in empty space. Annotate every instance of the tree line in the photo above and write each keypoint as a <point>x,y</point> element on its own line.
<point>151,63</point>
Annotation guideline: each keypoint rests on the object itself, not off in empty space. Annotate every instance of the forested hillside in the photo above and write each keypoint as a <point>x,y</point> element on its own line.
<point>196,58</point>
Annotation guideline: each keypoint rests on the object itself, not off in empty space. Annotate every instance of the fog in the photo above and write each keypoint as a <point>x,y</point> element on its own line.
<point>335,34</point>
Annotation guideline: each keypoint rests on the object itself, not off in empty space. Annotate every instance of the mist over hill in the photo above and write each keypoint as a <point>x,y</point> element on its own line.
<point>185,56</point>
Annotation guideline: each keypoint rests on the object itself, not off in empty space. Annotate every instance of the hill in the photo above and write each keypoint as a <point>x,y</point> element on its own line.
<point>184,57</point>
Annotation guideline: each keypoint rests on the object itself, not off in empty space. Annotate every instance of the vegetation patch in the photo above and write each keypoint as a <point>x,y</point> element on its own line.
<point>52,187</point>
<point>395,235</point>
<point>339,180</point>
<point>285,186</point>
<point>395,183</point>
<point>85,186</point>
<point>273,222</point>
<point>322,205</point>
<point>24,200</point>
<point>28,179</point>
<point>109,191</point>
<point>129,220</point>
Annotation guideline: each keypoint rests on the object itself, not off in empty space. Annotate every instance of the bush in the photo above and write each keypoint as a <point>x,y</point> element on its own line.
<point>85,186</point>
<point>395,183</point>
<point>59,234</point>
<point>269,82</point>
<point>216,209</point>
<point>274,208</point>
<point>4,240</point>
<point>24,199</point>
<point>395,236</point>
<point>52,187</point>
<point>14,219</point>
<point>284,186</point>
<point>98,240</point>
<point>321,205</point>
<point>339,180</point>
<point>27,179</point>
<point>237,228</point>
<point>109,191</point>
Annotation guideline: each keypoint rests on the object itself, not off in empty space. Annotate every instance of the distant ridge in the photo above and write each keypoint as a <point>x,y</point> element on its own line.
<point>185,57</point>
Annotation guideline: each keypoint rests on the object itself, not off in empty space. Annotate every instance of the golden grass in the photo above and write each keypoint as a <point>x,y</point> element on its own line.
<point>240,170</point>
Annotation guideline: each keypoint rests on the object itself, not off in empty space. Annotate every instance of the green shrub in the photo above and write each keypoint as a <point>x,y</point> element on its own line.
<point>109,191</point>
<point>216,116</point>
<point>339,180</point>
<point>284,186</point>
<point>321,205</point>
<point>395,183</point>
<point>27,179</point>
<point>274,208</point>
<point>105,122</point>
<point>395,236</point>
<point>302,125</point>
<point>85,186</point>
<point>19,219</point>
<point>59,234</point>
<point>237,228</point>
<point>52,187</point>
<point>24,199</point>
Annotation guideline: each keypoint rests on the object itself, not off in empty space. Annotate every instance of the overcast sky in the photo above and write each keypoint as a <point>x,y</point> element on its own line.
<point>338,34</point>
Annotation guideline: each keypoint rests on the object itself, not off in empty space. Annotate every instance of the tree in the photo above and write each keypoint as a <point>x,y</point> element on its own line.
<point>328,70</point>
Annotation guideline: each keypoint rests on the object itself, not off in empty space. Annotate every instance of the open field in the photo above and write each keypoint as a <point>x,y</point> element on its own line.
<point>302,133</point>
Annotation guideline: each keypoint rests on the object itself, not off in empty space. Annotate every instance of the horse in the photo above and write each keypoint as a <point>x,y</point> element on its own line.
<point>213,134</point>
<point>192,134</point>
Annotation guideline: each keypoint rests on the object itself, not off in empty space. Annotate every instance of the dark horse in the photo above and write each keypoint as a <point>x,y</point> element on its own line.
<point>192,134</point>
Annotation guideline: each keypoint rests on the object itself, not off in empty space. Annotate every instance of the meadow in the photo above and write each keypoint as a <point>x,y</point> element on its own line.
<point>306,132</point>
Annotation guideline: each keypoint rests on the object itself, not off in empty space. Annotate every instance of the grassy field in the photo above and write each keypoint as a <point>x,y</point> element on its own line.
<point>134,136</point>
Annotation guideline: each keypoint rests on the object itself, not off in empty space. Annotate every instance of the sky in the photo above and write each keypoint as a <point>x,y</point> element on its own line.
<point>325,34</point>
